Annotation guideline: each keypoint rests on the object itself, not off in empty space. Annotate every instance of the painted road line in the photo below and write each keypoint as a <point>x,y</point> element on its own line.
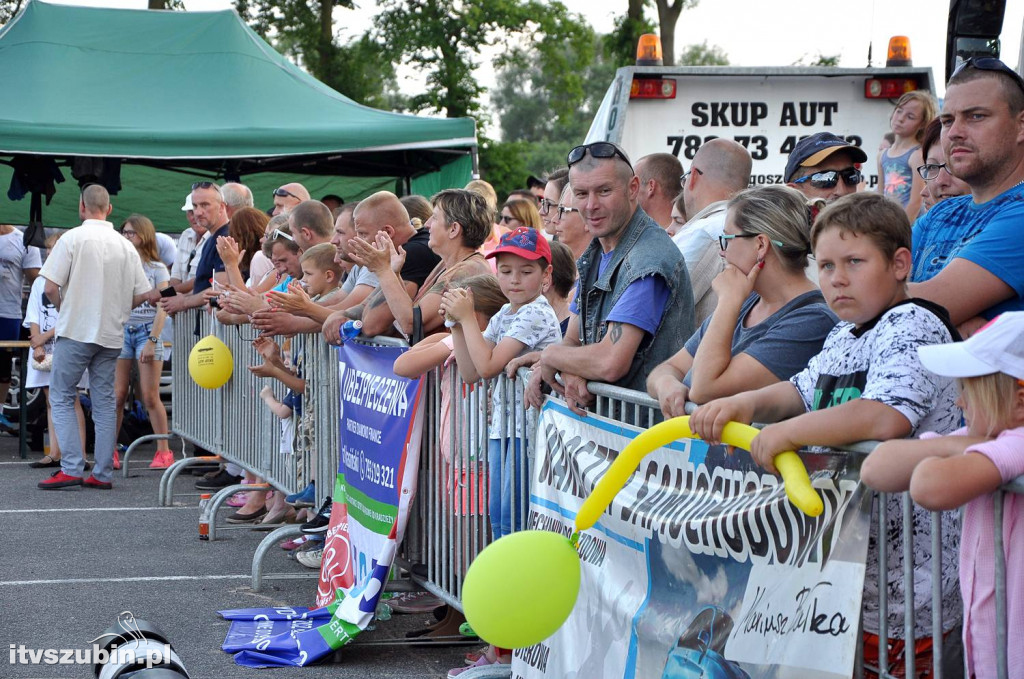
<point>148,578</point>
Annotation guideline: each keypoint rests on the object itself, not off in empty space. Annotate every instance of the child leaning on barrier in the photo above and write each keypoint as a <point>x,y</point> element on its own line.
<point>981,457</point>
<point>320,276</point>
<point>527,323</point>
<point>438,350</point>
<point>867,383</point>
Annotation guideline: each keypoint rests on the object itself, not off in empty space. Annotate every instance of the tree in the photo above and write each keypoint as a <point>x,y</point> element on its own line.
<point>303,30</point>
<point>8,8</point>
<point>167,4</point>
<point>620,44</point>
<point>443,38</point>
<point>703,54</point>
<point>668,17</point>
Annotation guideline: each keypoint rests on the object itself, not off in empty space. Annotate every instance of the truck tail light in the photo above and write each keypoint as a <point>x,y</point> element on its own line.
<point>888,88</point>
<point>653,88</point>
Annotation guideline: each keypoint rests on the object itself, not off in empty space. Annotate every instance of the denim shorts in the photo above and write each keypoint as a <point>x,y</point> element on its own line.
<point>136,337</point>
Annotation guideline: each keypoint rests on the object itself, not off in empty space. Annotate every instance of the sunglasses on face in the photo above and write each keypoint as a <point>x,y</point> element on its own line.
<point>285,194</point>
<point>723,239</point>
<point>506,219</point>
<point>829,178</point>
<point>278,233</point>
<point>562,209</point>
<point>930,171</point>
<point>990,64</point>
<point>598,149</point>
<point>546,205</point>
<point>128,234</point>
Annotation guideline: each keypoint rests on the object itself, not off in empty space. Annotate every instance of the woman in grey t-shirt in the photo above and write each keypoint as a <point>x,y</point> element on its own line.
<point>770,319</point>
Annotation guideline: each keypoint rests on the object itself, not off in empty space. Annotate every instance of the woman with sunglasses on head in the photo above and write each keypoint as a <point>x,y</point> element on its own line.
<point>770,319</point>
<point>142,340</point>
<point>520,212</point>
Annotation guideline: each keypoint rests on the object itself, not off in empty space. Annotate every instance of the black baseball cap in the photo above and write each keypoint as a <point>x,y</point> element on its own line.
<point>816,148</point>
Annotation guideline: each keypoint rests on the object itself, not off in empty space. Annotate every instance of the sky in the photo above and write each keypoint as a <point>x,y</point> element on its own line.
<point>771,33</point>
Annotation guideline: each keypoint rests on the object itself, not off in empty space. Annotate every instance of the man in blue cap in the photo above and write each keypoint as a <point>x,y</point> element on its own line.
<point>825,166</point>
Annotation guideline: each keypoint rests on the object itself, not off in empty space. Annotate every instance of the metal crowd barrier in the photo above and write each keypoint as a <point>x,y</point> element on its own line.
<point>450,522</point>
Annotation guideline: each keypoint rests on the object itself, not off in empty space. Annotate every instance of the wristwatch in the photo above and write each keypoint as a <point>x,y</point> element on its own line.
<point>154,340</point>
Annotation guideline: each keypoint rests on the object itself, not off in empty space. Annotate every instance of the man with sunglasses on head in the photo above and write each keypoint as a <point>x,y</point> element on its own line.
<point>633,305</point>
<point>288,196</point>
<point>210,212</point>
<point>967,250</point>
<point>825,166</point>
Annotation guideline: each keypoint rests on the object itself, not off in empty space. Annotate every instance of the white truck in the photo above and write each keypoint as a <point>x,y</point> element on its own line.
<point>654,109</point>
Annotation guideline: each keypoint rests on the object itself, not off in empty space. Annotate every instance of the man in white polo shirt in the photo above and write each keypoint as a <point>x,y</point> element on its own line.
<point>94,277</point>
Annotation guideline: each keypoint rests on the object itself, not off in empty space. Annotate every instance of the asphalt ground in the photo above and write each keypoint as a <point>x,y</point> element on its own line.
<point>72,560</point>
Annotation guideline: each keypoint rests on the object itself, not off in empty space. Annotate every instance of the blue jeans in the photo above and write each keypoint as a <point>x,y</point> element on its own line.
<point>505,460</point>
<point>70,360</point>
<point>136,337</point>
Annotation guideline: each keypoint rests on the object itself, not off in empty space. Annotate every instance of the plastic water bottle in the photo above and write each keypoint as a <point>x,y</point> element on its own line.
<point>351,330</point>
<point>204,518</point>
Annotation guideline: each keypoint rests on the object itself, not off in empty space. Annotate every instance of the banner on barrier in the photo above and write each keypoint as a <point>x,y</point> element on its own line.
<point>381,421</point>
<point>700,567</point>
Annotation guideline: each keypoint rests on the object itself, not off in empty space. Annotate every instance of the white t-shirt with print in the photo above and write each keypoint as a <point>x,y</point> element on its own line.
<point>536,326</point>
<point>14,259</point>
<point>880,363</point>
<point>156,273</point>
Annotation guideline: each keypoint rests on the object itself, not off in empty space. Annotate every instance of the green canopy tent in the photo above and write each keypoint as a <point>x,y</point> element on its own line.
<point>182,96</point>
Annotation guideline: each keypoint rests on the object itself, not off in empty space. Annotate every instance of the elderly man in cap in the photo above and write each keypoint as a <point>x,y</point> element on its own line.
<point>824,166</point>
<point>288,196</point>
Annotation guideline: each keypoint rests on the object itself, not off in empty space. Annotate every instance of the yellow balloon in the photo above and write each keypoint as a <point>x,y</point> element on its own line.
<point>794,474</point>
<point>210,363</point>
<point>521,588</point>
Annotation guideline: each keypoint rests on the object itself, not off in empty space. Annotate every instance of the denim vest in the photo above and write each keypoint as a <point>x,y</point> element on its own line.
<point>644,249</point>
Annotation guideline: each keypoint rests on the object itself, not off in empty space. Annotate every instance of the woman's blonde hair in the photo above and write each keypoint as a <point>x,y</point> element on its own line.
<point>526,212</point>
<point>782,214</point>
<point>995,395</point>
<point>147,237</point>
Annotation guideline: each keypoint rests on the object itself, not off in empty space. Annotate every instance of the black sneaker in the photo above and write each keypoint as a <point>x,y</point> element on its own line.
<point>321,520</point>
<point>202,469</point>
<point>221,480</point>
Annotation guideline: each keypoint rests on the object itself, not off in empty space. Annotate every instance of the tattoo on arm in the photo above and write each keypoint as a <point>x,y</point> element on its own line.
<point>376,299</point>
<point>615,332</point>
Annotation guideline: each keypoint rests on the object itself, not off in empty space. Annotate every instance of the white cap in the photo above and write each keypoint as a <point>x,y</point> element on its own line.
<point>188,203</point>
<point>997,347</point>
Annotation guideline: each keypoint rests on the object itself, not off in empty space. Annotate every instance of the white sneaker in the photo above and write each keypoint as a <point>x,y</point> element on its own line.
<point>310,558</point>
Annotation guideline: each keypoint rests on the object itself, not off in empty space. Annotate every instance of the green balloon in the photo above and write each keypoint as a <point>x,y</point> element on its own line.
<point>521,588</point>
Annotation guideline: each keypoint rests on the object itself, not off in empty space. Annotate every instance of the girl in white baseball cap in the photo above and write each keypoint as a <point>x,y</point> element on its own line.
<point>965,469</point>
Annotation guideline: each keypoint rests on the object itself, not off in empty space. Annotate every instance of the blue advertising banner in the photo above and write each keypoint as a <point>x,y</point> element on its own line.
<point>380,423</point>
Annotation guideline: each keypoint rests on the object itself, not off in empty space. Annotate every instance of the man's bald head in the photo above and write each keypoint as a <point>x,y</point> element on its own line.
<point>726,163</point>
<point>95,202</point>
<point>288,196</point>
<point>382,211</point>
<point>720,170</point>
